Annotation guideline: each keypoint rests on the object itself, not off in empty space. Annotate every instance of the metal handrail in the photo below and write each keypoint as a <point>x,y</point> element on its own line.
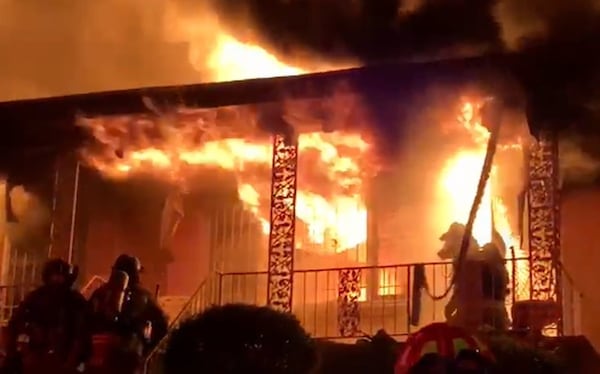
<point>183,313</point>
<point>381,310</point>
<point>363,267</point>
<point>7,307</point>
<point>91,282</point>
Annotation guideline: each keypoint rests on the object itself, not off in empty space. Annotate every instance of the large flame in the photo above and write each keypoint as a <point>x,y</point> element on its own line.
<point>221,56</point>
<point>330,199</point>
<point>234,60</point>
<point>458,184</point>
<point>335,219</point>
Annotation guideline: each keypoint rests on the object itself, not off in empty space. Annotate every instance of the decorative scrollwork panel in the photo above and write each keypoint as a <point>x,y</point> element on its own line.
<point>282,229</point>
<point>348,298</point>
<point>544,217</point>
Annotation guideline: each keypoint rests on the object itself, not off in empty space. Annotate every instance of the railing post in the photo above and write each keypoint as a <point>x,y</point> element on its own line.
<point>283,222</point>
<point>408,298</point>
<point>219,289</point>
<point>513,292</point>
<point>348,305</point>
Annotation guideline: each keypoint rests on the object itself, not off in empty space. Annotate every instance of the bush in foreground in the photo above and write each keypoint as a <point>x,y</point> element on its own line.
<point>240,338</point>
<point>514,356</point>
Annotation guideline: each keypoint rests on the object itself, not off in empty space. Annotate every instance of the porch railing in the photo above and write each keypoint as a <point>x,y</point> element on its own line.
<point>10,298</point>
<point>91,285</point>
<point>385,300</point>
<point>12,295</point>
<point>206,294</point>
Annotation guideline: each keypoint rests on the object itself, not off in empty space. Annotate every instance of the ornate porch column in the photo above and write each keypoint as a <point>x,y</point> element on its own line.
<point>544,218</point>
<point>283,223</point>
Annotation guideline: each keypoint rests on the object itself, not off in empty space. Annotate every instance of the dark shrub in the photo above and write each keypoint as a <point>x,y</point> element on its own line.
<point>240,339</point>
<point>376,355</point>
<point>515,356</point>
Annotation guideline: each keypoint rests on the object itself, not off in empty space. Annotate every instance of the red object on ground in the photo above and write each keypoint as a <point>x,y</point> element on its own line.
<point>440,338</point>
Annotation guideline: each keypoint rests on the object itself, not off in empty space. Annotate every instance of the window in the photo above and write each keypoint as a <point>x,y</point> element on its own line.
<point>391,281</point>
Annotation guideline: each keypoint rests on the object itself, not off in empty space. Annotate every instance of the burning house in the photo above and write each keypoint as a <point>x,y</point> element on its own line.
<point>315,193</point>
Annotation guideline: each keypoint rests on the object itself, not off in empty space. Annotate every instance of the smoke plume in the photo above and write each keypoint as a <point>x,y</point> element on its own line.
<point>50,48</point>
<point>369,30</point>
<point>61,47</point>
<point>29,227</point>
<point>539,21</point>
<point>373,30</point>
<point>577,166</point>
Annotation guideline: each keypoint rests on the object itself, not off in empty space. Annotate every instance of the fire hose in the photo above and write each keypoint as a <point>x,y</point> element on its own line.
<point>483,179</point>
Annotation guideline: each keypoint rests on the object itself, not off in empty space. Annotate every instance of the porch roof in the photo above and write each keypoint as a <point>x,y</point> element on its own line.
<point>539,78</point>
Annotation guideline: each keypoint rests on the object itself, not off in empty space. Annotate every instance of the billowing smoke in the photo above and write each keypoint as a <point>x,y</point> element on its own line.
<point>369,30</point>
<point>61,47</point>
<point>372,30</point>
<point>551,20</point>
<point>50,48</point>
<point>577,165</point>
<point>28,227</point>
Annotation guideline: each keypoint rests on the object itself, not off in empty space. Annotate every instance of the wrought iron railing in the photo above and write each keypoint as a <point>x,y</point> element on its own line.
<point>91,285</point>
<point>206,294</point>
<point>11,295</point>
<point>10,298</point>
<point>385,300</point>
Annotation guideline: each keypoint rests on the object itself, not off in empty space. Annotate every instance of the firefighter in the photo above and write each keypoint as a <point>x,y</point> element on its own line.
<point>126,321</point>
<point>48,332</point>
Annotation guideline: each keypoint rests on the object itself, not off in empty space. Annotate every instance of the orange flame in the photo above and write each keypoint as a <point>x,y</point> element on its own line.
<point>458,183</point>
<point>333,160</point>
<point>221,56</point>
<point>234,60</point>
<point>331,208</point>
